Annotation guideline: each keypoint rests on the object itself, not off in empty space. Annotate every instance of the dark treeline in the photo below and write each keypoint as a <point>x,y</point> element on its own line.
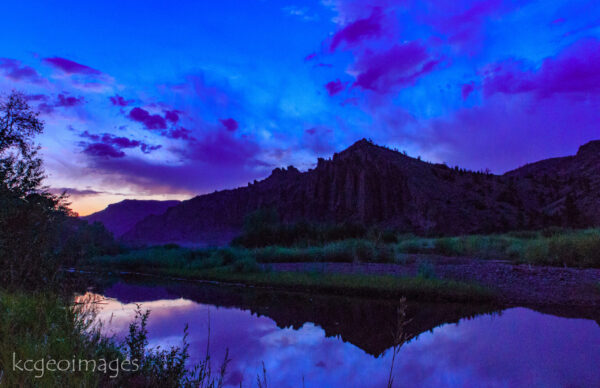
<point>263,228</point>
<point>38,232</point>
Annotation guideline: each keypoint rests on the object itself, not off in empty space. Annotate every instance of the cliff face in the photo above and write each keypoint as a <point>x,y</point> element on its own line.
<point>374,185</point>
<point>120,217</point>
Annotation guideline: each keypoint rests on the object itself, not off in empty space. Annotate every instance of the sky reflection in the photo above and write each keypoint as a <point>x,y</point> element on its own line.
<point>519,347</point>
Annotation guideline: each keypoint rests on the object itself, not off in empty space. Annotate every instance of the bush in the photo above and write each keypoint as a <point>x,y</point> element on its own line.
<point>426,270</point>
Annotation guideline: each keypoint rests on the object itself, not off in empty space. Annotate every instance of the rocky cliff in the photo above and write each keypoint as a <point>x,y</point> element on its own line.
<point>374,185</point>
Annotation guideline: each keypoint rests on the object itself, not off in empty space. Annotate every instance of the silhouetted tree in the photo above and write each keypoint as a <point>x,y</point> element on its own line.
<point>29,216</point>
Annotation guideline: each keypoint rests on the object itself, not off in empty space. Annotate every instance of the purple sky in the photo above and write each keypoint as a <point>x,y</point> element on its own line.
<point>168,101</point>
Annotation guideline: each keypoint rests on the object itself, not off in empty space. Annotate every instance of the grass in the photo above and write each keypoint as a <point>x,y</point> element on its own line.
<point>573,248</point>
<point>239,266</point>
<point>41,326</point>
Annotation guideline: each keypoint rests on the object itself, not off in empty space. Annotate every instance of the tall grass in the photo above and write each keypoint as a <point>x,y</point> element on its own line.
<point>576,248</point>
<point>41,327</point>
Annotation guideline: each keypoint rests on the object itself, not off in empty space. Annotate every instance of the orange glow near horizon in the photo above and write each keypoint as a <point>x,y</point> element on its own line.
<point>86,205</point>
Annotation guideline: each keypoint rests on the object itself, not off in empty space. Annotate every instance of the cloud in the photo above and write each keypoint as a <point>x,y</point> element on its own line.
<point>466,90</point>
<point>463,28</point>
<point>70,67</point>
<point>310,57</point>
<point>573,71</point>
<point>178,133</point>
<point>172,116</point>
<point>218,160</point>
<point>73,192</point>
<point>62,100</point>
<point>103,150</point>
<point>229,124</point>
<point>108,145</point>
<point>303,13</point>
<point>119,101</point>
<point>359,30</point>
<point>400,66</point>
<point>334,87</point>
<point>16,71</point>
<point>68,101</point>
<point>150,121</point>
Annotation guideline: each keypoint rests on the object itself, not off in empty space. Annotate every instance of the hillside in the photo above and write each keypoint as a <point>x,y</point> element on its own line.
<point>569,186</point>
<point>370,184</point>
<point>122,216</point>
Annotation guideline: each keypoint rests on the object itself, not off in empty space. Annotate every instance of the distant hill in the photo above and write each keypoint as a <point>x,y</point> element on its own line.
<point>122,216</point>
<point>570,186</point>
<point>371,184</point>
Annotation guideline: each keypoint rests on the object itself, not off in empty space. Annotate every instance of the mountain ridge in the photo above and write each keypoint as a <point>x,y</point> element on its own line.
<point>374,185</point>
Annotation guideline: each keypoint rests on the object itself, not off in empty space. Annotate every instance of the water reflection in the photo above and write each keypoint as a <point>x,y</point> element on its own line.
<point>341,342</point>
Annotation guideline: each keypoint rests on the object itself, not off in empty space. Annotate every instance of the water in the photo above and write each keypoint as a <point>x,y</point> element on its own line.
<point>347,342</point>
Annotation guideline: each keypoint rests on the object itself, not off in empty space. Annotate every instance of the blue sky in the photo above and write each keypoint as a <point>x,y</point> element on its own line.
<point>212,95</point>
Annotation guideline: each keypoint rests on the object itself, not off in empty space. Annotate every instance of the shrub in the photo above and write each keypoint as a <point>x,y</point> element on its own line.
<point>426,270</point>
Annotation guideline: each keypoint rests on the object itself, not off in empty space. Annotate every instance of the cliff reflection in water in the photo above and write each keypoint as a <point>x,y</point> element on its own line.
<point>330,341</point>
<point>369,324</point>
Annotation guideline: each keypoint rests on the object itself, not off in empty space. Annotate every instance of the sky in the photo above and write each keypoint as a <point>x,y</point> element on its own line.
<point>167,100</point>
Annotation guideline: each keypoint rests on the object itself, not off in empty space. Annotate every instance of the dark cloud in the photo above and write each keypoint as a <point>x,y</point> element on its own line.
<point>119,101</point>
<point>172,116</point>
<point>400,66</point>
<point>70,67</point>
<point>72,192</point>
<point>178,133</point>
<point>334,87</point>
<point>68,101</point>
<point>103,150</point>
<point>359,30</point>
<point>16,71</point>
<point>61,101</point>
<point>219,159</point>
<point>150,121</point>
<point>573,71</point>
<point>466,90</point>
<point>108,145</point>
<point>229,124</point>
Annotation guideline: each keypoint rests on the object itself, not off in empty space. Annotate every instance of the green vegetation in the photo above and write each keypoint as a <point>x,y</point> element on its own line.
<point>239,266</point>
<point>262,228</point>
<point>557,247</point>
<point>41,328</point>
<point>269,240</point>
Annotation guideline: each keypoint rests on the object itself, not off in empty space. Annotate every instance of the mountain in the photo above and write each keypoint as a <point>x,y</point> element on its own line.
<point>570,185</point>
<point>371,184</point>
<point>122,216</point>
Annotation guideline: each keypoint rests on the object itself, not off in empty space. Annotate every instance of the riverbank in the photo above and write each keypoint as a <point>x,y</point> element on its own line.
<point>511,284</point>
<point>418,276</point>
<point>347,284</point>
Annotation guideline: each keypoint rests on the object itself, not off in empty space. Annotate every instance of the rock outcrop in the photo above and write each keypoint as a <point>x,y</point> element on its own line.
<point>374,185</point>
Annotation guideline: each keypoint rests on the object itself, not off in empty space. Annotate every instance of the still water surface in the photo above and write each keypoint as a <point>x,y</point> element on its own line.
<point>347,342</point>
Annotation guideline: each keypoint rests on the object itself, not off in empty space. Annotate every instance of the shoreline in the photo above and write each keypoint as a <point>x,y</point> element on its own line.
<point>513,284</point>
<point>500,282</point>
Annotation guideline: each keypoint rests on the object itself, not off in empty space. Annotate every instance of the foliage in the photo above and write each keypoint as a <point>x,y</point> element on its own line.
<point>42,326</point>
<point>263,228</point>
<point>38,234</point>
